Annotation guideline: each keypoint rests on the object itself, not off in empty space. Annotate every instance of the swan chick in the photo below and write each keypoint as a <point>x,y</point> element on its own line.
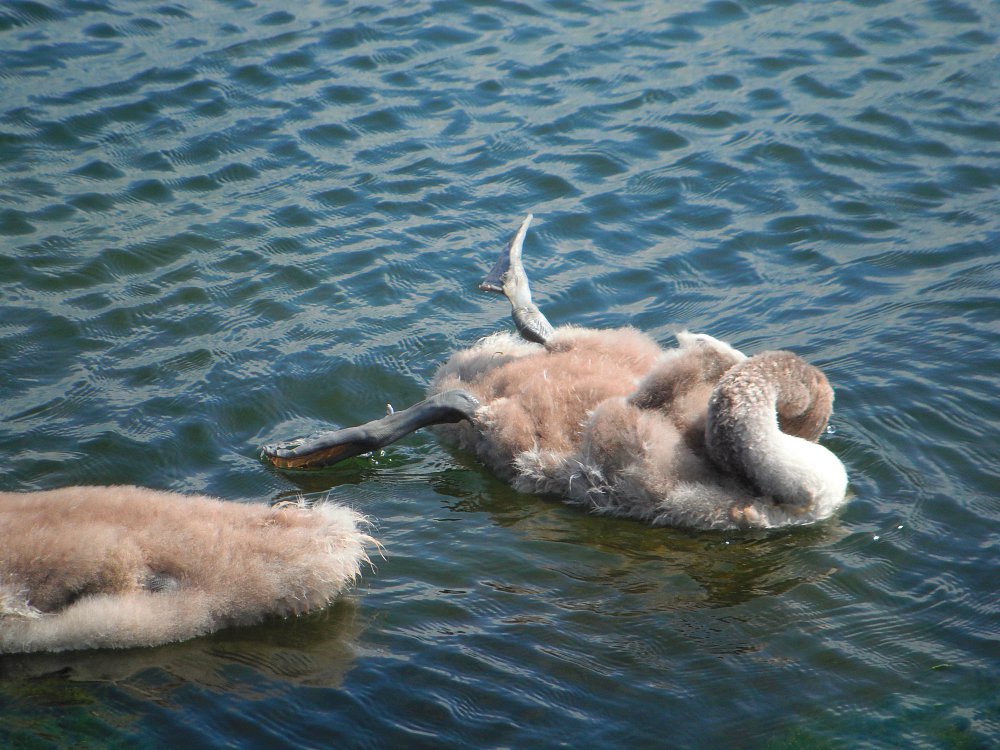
<point>697,436</point>
<point>122,567</point>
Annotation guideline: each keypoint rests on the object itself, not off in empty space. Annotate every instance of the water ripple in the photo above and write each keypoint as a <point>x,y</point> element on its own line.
<point>224,224</point>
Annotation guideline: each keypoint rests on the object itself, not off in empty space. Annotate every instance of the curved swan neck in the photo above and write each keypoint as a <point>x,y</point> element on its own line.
<point>743,436</point>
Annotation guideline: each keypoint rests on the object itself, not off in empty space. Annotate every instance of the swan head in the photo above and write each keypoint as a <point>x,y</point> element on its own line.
<point>806,400</point>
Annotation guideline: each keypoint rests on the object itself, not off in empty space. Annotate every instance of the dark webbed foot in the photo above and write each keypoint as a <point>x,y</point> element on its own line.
<point>160,583</point>
<point>507,277</point>
<point>330,446</point>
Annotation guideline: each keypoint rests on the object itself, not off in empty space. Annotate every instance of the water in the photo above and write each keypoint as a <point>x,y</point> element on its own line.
<point>223,223</point>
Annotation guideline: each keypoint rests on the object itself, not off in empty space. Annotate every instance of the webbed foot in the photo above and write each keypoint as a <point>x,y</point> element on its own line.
<point>331,446</point>
<point>507,277</point>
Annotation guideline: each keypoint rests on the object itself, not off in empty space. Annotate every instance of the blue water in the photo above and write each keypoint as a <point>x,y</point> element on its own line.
<point>224,223</point>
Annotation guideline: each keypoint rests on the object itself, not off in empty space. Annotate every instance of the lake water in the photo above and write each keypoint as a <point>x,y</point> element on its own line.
<point>224,223</point>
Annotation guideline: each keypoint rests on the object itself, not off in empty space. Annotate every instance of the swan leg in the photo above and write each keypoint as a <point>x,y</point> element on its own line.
<point>507,277</point>
<point>331,446</point>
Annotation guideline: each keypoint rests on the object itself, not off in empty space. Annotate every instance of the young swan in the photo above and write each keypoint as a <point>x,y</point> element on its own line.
<point>117,567</point>
<point>700,436</point>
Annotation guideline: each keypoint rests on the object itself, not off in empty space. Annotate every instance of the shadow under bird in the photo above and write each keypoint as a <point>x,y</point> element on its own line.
<point>698,436</point>
<point>119,567</point>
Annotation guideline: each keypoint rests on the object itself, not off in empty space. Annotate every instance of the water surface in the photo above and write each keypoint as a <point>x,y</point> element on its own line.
<point>223,223</point>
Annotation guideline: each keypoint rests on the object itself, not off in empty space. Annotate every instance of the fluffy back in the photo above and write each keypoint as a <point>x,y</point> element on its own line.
<point>697,436</point>
<point>116,567</point>
<point>537,398</point>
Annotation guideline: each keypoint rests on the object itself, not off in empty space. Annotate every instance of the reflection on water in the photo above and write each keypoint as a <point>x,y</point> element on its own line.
<point>313,650</point>
<point>727,568</point>
<point>121,698</point>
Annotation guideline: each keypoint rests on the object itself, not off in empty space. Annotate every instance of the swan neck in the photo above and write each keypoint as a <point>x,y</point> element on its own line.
<point>743,435</point>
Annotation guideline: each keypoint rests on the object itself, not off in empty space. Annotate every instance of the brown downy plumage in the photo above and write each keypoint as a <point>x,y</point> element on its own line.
<point>698,436</point>
<point>117,567</point>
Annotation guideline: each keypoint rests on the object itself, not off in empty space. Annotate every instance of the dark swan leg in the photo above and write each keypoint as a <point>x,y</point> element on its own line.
<point>507,277</point>
<point>331,446</point>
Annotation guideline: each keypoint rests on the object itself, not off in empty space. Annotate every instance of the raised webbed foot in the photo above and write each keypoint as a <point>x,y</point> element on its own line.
<point>330,446</point>
<point>507,277</point>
